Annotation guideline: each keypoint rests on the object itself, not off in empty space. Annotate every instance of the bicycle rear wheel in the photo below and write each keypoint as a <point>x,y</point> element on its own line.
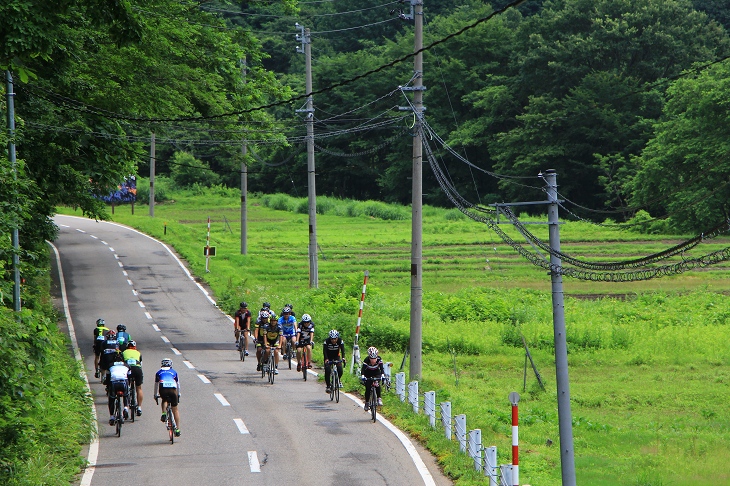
<point>170,425</point>
<point>118,416</point>
<point>132,400</point>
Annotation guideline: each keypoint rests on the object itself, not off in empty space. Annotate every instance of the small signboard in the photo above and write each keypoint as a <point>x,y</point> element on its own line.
<point>209,251</point>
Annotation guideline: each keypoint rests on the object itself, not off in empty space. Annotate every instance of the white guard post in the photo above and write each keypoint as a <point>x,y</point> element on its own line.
<point>413,395</point>
<point>446,418</point>
<point>460,422</point>
<point>429,407</point>
<point>475,448</point>
<point>490,464</point>
<point>400,386</point>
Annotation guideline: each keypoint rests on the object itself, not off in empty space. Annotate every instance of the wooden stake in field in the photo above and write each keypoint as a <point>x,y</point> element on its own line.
<point>355,347</point>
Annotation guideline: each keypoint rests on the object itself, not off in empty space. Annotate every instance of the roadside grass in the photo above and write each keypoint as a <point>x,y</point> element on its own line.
<point>648,360</point>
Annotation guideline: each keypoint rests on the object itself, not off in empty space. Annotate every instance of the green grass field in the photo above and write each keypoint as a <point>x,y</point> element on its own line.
<point>648,359</point>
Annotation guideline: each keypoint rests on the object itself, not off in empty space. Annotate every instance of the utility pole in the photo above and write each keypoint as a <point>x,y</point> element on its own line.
<point>417,202</point>
<point>244,184</point>
<point>567,457</point>
<point>152,175</point>
<point>306,48</point>
<point>14,163</point>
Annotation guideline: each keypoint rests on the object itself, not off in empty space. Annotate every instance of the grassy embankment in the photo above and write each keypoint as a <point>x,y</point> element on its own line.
<point>648,360</point>
<point>45,412</point>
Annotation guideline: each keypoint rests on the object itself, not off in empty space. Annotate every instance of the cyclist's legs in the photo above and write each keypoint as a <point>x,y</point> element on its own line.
<point>327,371</point>
<point>339,370</point>
<point>245,338</point>
<point>308,350</point>
<point>176,415</point>
<point>368,386</point>
<point>138,378</point>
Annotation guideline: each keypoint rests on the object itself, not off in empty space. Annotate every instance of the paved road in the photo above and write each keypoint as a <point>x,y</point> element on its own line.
<point>236,428</point>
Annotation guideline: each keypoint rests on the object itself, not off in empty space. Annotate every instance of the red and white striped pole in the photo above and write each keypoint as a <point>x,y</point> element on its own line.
<point>514,398</point>
<point>207,248</point>
<point>355,347</point>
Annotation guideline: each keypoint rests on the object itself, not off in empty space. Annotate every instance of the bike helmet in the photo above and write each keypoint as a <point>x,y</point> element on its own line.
<point>244,305</point>
<point>132,344</point>
<point>264,315</point>
<point>111,334</point>
<point>334,334</point>
<point>286,310</point>
<point>121,328</point>
<point>267,305</point>
<point>306,318</point>
<point>166,363</point>
<point>373,352</point>
<point>100,322</point>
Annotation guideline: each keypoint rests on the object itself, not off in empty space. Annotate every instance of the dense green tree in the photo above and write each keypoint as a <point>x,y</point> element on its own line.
<point>683,172</point>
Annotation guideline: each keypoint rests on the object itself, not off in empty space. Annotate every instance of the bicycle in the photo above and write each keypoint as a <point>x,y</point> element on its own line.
<point>335,382</point>
<point>304,362</point>
<point>270,366</point>
<point>118,410</point>
<point>373,401</point>
<point>170,421</point>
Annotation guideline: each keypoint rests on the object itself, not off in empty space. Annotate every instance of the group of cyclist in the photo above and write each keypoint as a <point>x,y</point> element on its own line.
<point>118,363</point>
<point>271,334</point>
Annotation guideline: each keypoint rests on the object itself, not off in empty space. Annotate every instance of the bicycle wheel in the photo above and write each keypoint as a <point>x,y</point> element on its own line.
<point>333,382</point>
<point>241,348</point>
<point>272,367</point>
<point>288,352</point>
<point>132,400</point>
<point>373,403</point>
<point>336,389</point>
<point>170,425</point>
<point>304,364</point>
<point>118,416</point>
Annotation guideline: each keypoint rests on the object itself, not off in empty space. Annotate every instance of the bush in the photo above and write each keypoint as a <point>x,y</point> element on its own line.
<point>163,185</point>
<point>188,171</point>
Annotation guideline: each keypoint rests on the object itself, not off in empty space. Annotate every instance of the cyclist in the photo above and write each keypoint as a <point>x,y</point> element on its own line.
<point>272,334</point>
<point>167,387</point>
<point>133,358</point>
<point>372,369</point>
<point>117,380</point>
<point>99,337</point>
<point>108,352</point>
<point>258,334</point>
<point>288,325</point>
<point>333,349</point>
<point>305,337</point>
<point>242,322</point>
<point>266,307</point>
<point>291,307</point>
<point>123,337</point>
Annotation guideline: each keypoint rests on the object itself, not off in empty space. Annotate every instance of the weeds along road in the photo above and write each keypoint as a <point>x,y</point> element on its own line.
<point>236,428</point>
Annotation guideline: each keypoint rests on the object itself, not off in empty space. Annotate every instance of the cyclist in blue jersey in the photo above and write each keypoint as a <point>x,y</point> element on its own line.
<point>167,387</point>
<point>288,325</point>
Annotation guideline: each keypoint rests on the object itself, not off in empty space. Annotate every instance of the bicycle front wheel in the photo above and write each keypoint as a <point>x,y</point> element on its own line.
<point>272,368</point>
<point>241,349</point>
<point>289,353</point>
<point>373,404</point>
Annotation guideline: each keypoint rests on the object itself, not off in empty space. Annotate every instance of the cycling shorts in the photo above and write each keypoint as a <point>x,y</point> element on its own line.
<point>288,333</point>
<point>273,344</point>
<point>136,372</point>
<point>118,386</point>
<point>304,343</point>
<point>169,395</point>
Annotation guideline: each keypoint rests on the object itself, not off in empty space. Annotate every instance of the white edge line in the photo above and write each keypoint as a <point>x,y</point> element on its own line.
<point>177,353</point>
<point>154,326</point>
<point>204,379</point>
<point>410,448</point>
<point>189,364</point>
<point>165,339</point>
<point>148,315</point>
<point>253,462</point>
<point>241,426</point>
<point>94,445</point>
<point>141,304</point>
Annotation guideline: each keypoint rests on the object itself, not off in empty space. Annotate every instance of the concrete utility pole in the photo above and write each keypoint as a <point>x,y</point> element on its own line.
<point>14,163</point>
<point>153,158</point>
<point>306,48</point>
<point>417,202</point>
<point>567,459</point>
<point>244,184</point>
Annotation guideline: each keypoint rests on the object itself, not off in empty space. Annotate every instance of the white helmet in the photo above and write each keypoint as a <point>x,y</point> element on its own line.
<point>306,318</point>
<point>373,352</point>
<point>334,334</point>
<point>166,363</point>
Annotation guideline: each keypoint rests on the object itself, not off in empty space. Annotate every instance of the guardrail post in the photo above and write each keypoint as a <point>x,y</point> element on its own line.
<point>388,367</point>
<point>446,418</point>
<point>413,395</point>
<point>429,407</point>
<point>400,386</point>
<point>490,464</point>
<point>475,448</point>
<point>506,470</point>
<point>460,421</point>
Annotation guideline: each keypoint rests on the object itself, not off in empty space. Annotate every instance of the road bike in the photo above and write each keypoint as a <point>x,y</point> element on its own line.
<point>373,401</point>
<point>170,423</point>
<point>118,411</point>
<point>335,383</point>
<point>270,366</point>
<point>304,362</point>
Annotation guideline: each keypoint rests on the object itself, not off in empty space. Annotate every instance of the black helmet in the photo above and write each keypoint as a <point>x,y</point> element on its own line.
<point>244,305</point>
<point>286,310</point>
<point>100,323</point>
<point>267,305</point>
<point>121,328</point>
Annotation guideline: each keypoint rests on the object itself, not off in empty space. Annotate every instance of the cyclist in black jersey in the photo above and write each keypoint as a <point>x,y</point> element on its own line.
<point>372,369</point>
<point>333,349</point>
<point>305,338</point>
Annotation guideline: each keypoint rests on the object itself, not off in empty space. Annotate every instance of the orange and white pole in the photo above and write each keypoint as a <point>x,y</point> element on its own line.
<point>514,398</point>
<point>355,347</point>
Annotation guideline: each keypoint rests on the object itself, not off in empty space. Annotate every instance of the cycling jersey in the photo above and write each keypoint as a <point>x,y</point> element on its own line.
<point>118,372</point>
<point>99,338</point>
<point>123,339</point>
<point>272,333</point>
<point>167,378</point>
<point>288,326</point>
<point>334,350</point>
<point>132,357</point>
<point>372,368</point>
<point>306,332</point>
<point>243,318</point>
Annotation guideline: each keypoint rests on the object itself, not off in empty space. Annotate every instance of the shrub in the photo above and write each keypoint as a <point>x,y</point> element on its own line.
<point>188,171</point>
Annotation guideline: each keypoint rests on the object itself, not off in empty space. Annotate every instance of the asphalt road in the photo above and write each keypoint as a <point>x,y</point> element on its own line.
<point>236,427</point>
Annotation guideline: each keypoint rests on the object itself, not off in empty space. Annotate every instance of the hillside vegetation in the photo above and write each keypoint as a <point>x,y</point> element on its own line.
<point>648,360</point>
